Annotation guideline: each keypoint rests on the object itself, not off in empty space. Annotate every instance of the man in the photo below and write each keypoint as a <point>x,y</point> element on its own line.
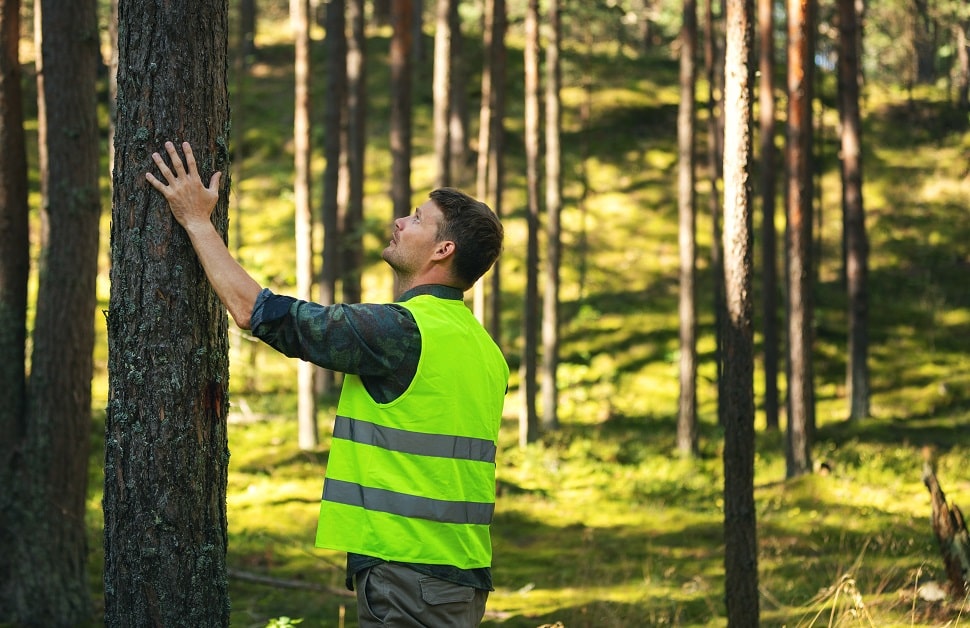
<point>410,484</point>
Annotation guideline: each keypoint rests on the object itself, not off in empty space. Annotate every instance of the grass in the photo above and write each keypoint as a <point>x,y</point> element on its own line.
<point>602,524</point>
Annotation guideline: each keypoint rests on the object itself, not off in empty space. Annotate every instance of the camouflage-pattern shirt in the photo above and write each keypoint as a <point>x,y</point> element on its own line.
<point>380,343</point>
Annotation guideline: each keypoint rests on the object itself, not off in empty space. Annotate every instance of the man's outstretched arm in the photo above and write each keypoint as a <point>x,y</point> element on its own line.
<point>192,203</point>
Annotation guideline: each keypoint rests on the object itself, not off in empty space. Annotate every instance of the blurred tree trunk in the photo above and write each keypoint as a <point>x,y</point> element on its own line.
<point>14,271</point>
<point>713,62</point>
<point>769,234</point>
<point>801,392</point>
<point>335,44</point>
<point>489,133</point>
<point>496,158</point>
<point>458,108</point>
<point>247,28</point>
<point>857,245</point>
<point>963,64</point>
<point>166,452</point>
<point>352,231</point>
<point>550,302</point>
<point>307,434</point>
<point>47,580</point>
<point>528,418</point>
<point>441,87</point>
<point>740,525</point>
<point>402,13</point>
<point>383,11</point>
<point>687,230</point>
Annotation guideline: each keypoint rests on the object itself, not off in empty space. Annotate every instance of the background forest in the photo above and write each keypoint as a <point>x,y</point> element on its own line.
<point>601,521</point>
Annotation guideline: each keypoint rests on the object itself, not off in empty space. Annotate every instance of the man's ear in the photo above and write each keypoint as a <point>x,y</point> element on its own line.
<point>444,250</point>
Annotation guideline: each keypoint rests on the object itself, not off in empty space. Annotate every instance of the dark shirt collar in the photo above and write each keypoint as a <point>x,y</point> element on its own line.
<point>435,290</point>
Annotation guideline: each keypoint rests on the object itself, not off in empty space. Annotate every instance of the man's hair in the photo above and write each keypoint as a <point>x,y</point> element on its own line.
<point>475,230</point>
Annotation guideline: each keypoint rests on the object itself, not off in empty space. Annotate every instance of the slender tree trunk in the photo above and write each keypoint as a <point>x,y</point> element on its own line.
<point>769,235</point>
<point>353,236</point>
<point>496,159</point>
<point>48,486</point>
<point>401,78</point>
<point>740,526</point>
<point>550,310</point>
<point>307,434</point>
<point>963,64</point>
<point>441,87</point>
<point>857,253</point>
<point>486,112</point>
<point>687,230</point>
<point>166,451</point>
<point>335,43</point>
<point>247,28</point>
<point>14,271</point>
<point>528,418</point>
<point>801,394</point>
<point>715,141</point>
<point>458,109</point>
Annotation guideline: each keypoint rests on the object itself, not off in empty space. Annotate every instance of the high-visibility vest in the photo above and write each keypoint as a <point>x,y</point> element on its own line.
<point>413,480</point>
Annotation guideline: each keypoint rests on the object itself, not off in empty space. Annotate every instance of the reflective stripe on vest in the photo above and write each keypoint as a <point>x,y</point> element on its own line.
<point>407,505</point>
<point>392,439</point>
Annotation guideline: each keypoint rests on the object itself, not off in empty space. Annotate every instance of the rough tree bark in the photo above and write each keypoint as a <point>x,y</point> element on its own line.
<point>166,452</point>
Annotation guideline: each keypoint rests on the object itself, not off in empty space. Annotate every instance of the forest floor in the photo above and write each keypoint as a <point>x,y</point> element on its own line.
<point>601,523</point>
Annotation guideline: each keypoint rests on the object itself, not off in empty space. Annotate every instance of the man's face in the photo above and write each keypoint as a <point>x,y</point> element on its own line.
<point>414,240</point>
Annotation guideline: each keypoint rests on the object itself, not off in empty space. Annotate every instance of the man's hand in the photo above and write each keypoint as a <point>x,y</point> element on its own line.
<point>190,200</point>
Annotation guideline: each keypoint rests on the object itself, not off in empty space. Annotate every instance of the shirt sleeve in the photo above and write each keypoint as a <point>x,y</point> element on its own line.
<point>366,339</point>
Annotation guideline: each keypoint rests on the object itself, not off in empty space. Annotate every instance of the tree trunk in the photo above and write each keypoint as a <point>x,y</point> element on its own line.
<point>486,113</point>
<point>963,64</point>
<point>307,435</point>
<point>769,235</point>
<point>528,418</point>
<point>496,159</point>
<point>550,302</point>
<point>857,246</point>
<point>247,28</point>
<point>715,133</point>
<point>48,489</point>
<point>402,13</point>
<point>458,108</point>
<point>166,453</point>
<point>687,234</point>
<point>740,526</point>
<point>14,271</point>
<point>352,232</point>
<point>801,393</point>
<point>441,88</point>
<point>335,43</point>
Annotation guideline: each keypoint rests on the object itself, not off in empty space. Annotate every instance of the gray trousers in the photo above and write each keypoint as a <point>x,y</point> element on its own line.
<point>393,595</point>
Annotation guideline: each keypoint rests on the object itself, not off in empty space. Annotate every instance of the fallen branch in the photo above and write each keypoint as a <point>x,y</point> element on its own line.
<point>255,578</point>
<point>951,533</point>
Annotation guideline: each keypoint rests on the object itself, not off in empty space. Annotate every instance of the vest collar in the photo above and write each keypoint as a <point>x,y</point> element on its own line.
<point>435,290</point>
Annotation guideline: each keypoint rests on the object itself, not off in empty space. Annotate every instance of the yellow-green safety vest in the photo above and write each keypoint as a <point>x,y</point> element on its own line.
<point>413,480</point>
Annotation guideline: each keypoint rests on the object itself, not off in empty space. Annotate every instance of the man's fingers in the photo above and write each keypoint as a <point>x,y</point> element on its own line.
<point>162,166</point>
<point>155,183</point>
<point>214,182</point>
<point>177,164</point>
<point>189,157</point>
